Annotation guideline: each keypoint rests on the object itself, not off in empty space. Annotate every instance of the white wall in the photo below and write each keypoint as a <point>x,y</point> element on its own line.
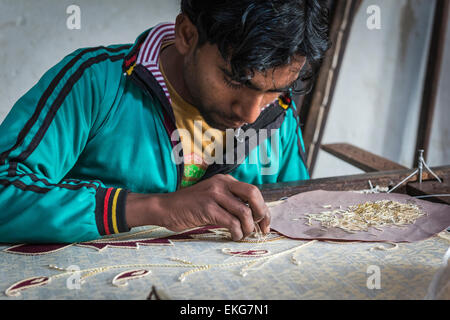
<point>440,133</point>
<point>34,35</point>
<point>377,97</point>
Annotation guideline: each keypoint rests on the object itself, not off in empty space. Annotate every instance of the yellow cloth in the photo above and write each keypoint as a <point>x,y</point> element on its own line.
<point>198,148</point>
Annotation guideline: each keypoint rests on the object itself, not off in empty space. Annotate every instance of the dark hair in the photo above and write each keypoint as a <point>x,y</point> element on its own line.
<point>257,35</point>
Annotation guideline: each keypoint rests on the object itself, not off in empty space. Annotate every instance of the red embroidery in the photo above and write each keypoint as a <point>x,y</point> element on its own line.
<point>249,252</point>
<point>246,253</point>
<point>37,249</point>
<point>14,290</point>
<point>122,278</point>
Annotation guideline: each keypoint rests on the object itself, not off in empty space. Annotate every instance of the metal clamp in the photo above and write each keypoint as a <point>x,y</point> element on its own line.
<point>419,171</point>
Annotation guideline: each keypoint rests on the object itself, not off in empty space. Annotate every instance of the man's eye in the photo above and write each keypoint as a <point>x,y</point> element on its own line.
<point>231,84</point>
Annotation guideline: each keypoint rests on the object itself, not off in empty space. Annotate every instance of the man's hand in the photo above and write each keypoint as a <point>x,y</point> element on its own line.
<point>221,200</point>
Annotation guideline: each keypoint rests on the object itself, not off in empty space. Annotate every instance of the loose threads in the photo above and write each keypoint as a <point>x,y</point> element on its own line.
<point>294,259</point>
<point>384,248</point>
<point>369,214</point>
<point>244,269</point>
<point>444,235</point>
<point>52,266</point>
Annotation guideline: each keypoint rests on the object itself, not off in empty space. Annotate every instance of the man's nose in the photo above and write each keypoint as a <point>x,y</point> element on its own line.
<point>249,108</point>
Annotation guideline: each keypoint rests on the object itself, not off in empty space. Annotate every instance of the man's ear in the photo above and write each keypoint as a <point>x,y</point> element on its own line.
<point>186,35</point>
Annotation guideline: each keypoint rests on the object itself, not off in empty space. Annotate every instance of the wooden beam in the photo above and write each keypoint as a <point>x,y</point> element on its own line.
<point>275,191</point>
<point>431,82</point>
<point>323,91</point>
<point>360,158</point>
<point>430,188</point>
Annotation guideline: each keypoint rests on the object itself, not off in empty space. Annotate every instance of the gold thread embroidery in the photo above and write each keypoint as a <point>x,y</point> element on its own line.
<point>444,235</point>
<point>384,248</point>
<point>183,276</point>
<point>180,260</point>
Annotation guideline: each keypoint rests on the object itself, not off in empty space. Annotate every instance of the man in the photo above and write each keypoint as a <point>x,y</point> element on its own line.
<point>92,148</point>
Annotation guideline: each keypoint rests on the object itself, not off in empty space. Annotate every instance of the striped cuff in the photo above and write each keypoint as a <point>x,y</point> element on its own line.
<point>110,211</point>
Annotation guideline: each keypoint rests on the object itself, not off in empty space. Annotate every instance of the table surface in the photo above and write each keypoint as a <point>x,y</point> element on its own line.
<point>327,270</point>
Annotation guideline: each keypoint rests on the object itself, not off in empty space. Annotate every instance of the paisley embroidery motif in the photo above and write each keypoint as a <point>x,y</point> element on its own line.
<point>35,249</point>
<point>14,290</point>
<point>122,278</point>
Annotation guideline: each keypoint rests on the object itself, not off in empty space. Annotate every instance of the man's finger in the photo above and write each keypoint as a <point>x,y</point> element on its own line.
<point>239,209</point>
<point>229,176</point>
<point>250,194</point>
<point>222,218</point>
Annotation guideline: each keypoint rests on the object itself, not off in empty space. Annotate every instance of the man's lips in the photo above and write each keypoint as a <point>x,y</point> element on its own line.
<point>233,125</point>
<point>223,123</point>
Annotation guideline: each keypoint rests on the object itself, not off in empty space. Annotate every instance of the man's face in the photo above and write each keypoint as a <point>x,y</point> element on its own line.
<point>225,103</point>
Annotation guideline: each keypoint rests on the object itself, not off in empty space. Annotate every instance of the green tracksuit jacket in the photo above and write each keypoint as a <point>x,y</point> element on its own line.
<point>94,128</point>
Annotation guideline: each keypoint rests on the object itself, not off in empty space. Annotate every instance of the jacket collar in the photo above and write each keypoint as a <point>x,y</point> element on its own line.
<point>146,52</point>
<point>131,57</point>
